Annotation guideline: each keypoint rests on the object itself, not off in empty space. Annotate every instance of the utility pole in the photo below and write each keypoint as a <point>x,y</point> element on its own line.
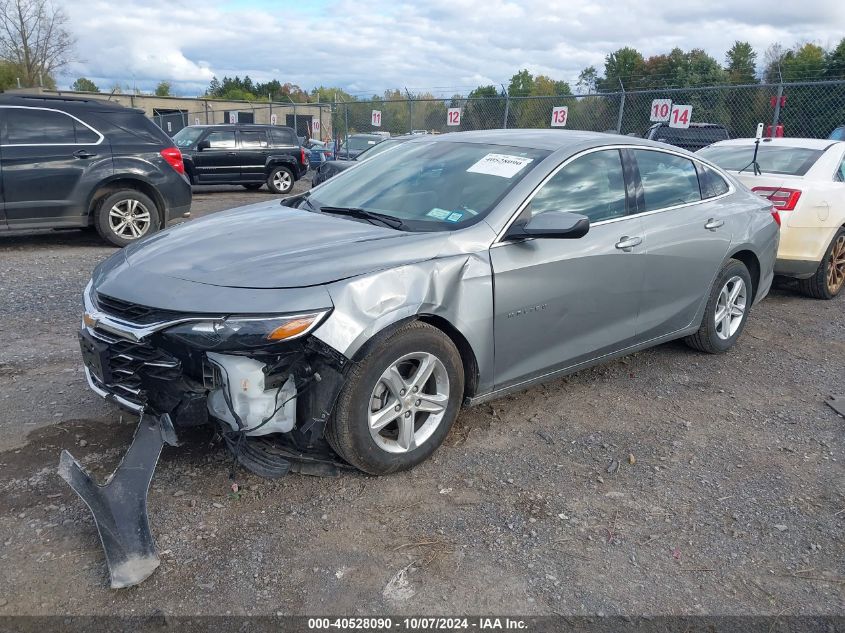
<point>507,105</point>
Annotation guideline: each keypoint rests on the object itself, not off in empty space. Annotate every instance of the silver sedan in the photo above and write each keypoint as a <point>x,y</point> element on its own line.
<point>353,322</point>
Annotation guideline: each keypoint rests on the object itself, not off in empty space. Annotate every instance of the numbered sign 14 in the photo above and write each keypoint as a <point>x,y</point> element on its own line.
<point>376,118</point>
<point>559,116</point>
<point>681,116</point>
<point>660,109</point>
<point>453,116</point>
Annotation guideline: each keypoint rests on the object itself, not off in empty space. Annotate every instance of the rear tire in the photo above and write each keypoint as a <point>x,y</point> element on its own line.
<point>126,216</point>
<point>280,180</point>
<point>727,310</point>
<point>389,417</point>
<point>829,278</point>
<point>253,186</point>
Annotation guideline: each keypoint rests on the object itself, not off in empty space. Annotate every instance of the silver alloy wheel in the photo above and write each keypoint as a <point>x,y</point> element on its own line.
<point>408,402</point>
<point>129,219</point>
<point>282,180</point>
<point>730,307</point>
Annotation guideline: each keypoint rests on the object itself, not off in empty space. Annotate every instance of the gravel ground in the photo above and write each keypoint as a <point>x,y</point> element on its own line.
<point>668,482</point>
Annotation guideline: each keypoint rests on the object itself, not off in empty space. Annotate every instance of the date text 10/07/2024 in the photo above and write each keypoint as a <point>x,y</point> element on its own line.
<point>417,624</point>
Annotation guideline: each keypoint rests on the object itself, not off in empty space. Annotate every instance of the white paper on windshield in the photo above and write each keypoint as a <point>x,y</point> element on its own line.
<point>502,165</point>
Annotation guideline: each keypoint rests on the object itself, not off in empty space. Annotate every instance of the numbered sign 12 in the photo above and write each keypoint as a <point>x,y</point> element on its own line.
<point>681,116</point>
<point>376,118</point>
<point>660,110</point>
<point>453,116</point>
<point>559,116</point>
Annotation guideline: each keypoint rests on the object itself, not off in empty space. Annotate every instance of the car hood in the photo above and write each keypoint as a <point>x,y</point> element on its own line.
<point>271,246</point>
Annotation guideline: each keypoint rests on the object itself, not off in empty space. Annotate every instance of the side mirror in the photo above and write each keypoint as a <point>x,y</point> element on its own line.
<point>551,224</point>
<point>203,145</point>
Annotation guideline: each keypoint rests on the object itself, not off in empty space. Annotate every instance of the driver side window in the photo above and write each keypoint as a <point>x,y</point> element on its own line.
<point>592,185</point>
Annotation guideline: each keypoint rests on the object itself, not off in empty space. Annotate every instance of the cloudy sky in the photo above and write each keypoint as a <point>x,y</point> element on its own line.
<point>442,46</point>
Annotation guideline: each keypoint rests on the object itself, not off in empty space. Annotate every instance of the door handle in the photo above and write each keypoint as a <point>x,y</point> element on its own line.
<point>83,153</point>
<point>713,224</point>
<point>232,153</point>
<point>626,243</point>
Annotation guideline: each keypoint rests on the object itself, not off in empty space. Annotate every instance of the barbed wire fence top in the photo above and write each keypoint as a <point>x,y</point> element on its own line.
<point>799,109</point>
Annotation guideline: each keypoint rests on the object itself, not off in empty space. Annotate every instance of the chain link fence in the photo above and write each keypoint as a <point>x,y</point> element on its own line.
<point>811,109</point>
<point>789,109</point>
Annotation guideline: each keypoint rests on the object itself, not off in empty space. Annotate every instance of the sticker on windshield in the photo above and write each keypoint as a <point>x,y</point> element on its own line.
<point>502,165</point>
<point>371,142</point>
<point>455,217</point>
<point>438,214</point>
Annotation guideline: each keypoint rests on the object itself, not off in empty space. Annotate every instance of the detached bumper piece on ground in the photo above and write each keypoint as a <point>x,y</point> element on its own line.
<point>120,505</point>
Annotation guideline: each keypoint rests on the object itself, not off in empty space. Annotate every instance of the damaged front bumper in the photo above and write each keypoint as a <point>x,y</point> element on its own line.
<point>270,405</point>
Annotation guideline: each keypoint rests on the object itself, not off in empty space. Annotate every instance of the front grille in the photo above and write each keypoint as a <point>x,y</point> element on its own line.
<point>119,365</point>
<point>133,312</point>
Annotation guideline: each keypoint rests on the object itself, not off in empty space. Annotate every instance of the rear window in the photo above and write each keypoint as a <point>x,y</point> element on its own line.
<point>130,127</point>
<point>283,137</point>
<point>712,184</point>
<point>668,180</point>
<point>773,159</point>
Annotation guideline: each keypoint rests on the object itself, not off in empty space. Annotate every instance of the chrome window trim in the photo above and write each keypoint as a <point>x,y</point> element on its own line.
<point>731,188</point>
<point>67,114</point>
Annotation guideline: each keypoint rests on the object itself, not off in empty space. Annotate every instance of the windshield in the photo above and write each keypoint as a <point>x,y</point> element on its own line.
<point>187,136</point>
<point>773,159</point>
<point>838,134</point>
<point>356,144</point>
<point>430,186</point>
<point>374,150</point>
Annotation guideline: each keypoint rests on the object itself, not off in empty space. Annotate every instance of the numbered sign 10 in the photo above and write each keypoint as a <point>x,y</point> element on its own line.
<point>559,116</point>
<point>681,116</point>
<point>376,118</point>
<point>660,110</point>
<point>315,126</point>
<point>453,116</point>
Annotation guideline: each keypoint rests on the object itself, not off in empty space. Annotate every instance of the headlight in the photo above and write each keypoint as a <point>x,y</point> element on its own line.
<point>244,332</point>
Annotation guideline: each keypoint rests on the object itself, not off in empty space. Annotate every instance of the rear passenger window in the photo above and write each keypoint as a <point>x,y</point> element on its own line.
<point>221,140</point>
<point>252,140</point>
<point>31,126</point>
<point>668,180</point>
<point>711,183</point>
<point>282,137</point>
<point>592,185</point>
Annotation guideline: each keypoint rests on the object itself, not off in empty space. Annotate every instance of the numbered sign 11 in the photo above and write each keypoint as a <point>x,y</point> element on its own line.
<point>376,118</point>
<point>559,116</point>
<point>660,110</point>
<point>681,116</point>
<point>453,116</point>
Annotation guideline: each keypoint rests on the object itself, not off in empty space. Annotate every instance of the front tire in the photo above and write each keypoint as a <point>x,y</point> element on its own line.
<point>726,312</point>
<point>126,216</point>
<point>829,278</point>
<point>280,180</point>
<point>399,402</point>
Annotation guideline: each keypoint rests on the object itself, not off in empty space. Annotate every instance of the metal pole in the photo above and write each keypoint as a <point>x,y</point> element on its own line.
<point>507,106</point>
<point>410,111</point>
<point>776,116</point>
<point>346,125</point>
<point>270,101</point>
<point>621,108</point>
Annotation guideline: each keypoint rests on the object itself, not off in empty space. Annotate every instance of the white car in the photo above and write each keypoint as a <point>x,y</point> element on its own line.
<point>805,180</point>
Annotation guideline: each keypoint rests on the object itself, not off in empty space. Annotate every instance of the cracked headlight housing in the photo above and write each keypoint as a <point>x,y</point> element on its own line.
<point>240,333</point>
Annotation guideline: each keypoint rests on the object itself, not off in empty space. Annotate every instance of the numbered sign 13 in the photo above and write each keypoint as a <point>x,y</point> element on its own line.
<point>453,116</point>
<point>559,116</point>
<point>376,118</point>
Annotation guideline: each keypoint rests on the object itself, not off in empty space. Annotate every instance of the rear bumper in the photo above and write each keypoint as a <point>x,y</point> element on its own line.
<point>797,268</point>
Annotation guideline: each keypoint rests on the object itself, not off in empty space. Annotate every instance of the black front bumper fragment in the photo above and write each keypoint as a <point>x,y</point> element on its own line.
<point>120,505</point>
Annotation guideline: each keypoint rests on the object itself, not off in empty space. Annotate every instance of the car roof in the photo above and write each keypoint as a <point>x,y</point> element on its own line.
<point>239,126</point>
<point>784,141</point>
<point>539,139</point>
<point>699,125</point>
<point>62,103</point>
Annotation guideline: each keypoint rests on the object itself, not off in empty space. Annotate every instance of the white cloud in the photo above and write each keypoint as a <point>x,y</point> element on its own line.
<point>370,46</point>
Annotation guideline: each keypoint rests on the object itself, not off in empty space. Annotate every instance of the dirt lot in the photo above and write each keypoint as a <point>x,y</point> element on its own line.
<point>669,482</point>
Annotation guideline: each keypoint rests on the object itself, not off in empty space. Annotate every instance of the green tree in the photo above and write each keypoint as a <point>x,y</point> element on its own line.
<point>84,85</point>
<point>484,109</point>
<point>521,84</point>
<point>805,63</point>
<point>35,39</point>
<point>834,62</point>
<point>625,65</point>
<point>741,63</point>
<point>163,89</point>
<point>587,79</point>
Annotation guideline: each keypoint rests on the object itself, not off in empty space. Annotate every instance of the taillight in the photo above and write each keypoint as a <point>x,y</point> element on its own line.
<point>174,158</point>
<point>302,156</point>
<point>783,199</point>
<point>776,216</point>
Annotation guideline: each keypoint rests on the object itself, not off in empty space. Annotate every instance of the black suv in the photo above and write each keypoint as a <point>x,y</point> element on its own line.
<point>693,138</point>
<point>75,163</point>
<point>247,155</point>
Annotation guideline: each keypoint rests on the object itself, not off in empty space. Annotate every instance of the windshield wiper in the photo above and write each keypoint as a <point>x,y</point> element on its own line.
<point>354,212</point>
